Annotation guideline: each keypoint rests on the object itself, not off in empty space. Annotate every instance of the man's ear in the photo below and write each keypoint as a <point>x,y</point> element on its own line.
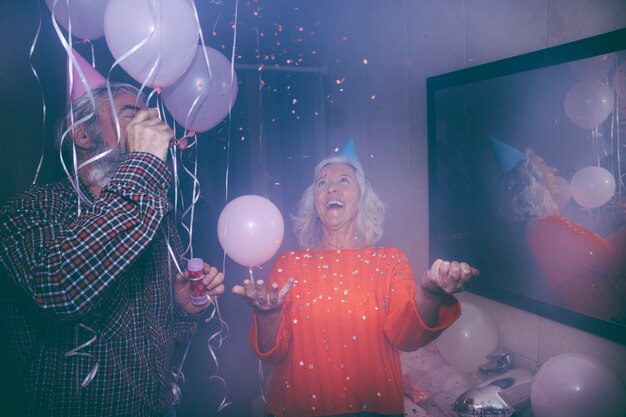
<point>81,138</point>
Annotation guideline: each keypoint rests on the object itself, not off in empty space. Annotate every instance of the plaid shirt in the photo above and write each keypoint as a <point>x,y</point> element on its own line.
<point>104,273</point>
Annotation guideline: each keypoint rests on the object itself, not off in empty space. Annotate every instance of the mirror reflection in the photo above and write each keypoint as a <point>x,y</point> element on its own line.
<point>539,157</point>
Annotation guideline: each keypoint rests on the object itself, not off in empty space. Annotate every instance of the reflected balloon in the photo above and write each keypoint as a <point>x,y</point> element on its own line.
<point>159,37</point>
<point>210,93</point>
<point>86,16</point>
<point>588,103</point>
<point>250,229</point>
<point>564,194</point>
<point>576,385</point>
<point>594,68</point>
<point>592,186</point>
<point>619,81</point>
<point>467,342</point>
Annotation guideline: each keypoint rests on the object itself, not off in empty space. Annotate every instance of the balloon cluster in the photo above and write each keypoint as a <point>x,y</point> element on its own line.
<point>156,43</point>
<point>588,103</point>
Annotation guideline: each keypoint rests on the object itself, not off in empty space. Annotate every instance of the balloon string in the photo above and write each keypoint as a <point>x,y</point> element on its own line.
<point>202,94</point>
<point>93,52</point>
<point>261,109</point>
<point>228,140</point>
<point>218,338</point>
<point>261,379</point>
<point>177,373</point>
<point>73,178</point>
<point>132,51</point>
<point>261,129</point>
<point>43,100</point>
<point>616,133</point>
<point>77,352</point>
<point>72,62</point>
<point>232,63</point>
<point>195,196</point>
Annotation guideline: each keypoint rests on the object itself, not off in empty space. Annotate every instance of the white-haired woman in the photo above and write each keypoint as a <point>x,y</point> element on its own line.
<point>338,311</point>
<point>585,271</point>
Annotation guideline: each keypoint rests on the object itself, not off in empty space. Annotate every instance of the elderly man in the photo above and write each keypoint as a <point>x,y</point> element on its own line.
<point>91,306</point>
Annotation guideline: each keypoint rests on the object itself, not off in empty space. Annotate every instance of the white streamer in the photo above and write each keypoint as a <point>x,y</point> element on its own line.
<point>43,100</point>
<point>77,352</point>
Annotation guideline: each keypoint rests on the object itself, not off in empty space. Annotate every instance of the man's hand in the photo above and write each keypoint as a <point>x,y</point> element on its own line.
<point>212,280</point>
<point>147,133</point>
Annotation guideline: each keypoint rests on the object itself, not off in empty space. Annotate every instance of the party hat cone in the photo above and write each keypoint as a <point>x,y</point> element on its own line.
<point>506,155</point>
<point>348,150</point>
<point>91,76</point>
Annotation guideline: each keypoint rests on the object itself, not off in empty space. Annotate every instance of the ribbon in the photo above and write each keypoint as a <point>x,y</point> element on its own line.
<point>43,100</point>
<point>77,352</point>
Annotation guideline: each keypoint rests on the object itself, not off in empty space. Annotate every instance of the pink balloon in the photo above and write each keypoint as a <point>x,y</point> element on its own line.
<point>210,93</point>
<point>160,38</point>
<point>576,385</point>
<point>592,186</point>
<point>86,16</point>
<point>250,230</point>
<point>588,103</point>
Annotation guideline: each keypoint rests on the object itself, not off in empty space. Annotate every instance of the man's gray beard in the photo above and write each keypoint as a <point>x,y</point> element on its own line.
<point>103,169</point>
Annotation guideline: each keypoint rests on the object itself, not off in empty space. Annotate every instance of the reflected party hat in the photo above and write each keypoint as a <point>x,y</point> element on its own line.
<point>348,150</point>
<point>506,155</point>
<point>92,77</point>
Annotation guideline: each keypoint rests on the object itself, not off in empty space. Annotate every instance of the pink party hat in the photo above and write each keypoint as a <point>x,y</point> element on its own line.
<point>506,155</point>
<point>92,76</point>
<point>348,150</point>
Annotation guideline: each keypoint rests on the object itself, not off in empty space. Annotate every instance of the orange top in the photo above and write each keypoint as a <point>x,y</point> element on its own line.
<point>344,320</point>
<point>583,269</point>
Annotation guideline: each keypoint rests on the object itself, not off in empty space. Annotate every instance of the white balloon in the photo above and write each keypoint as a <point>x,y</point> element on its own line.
<point>576,385</point>
<point>592,186</point>
<point>468,341</point>
<point>86,16</point>
<point>588,103</point>
<point>250,229</point>
<point>203,96</point>
<point>156,39</point>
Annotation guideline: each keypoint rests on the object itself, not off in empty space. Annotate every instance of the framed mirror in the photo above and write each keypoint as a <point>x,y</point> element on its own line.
<point>527,159</point>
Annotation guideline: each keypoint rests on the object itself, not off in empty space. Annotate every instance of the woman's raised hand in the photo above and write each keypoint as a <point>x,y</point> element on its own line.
<point>259,298</point>
<point>447,277</point>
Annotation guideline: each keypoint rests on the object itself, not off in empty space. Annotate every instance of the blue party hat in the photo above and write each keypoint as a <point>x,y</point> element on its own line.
<point>506,155</point>
<point>348,150</point>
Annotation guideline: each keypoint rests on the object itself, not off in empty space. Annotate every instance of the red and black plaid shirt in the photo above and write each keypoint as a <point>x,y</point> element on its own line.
<point>106,269</point>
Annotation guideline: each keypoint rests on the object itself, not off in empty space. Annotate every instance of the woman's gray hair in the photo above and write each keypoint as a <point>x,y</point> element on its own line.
<point>83,107</point>
<point>370,215</point>
<point>521,193</point>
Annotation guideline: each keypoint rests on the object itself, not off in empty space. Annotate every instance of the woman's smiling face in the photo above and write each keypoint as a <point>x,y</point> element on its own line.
<point>337,196</point>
